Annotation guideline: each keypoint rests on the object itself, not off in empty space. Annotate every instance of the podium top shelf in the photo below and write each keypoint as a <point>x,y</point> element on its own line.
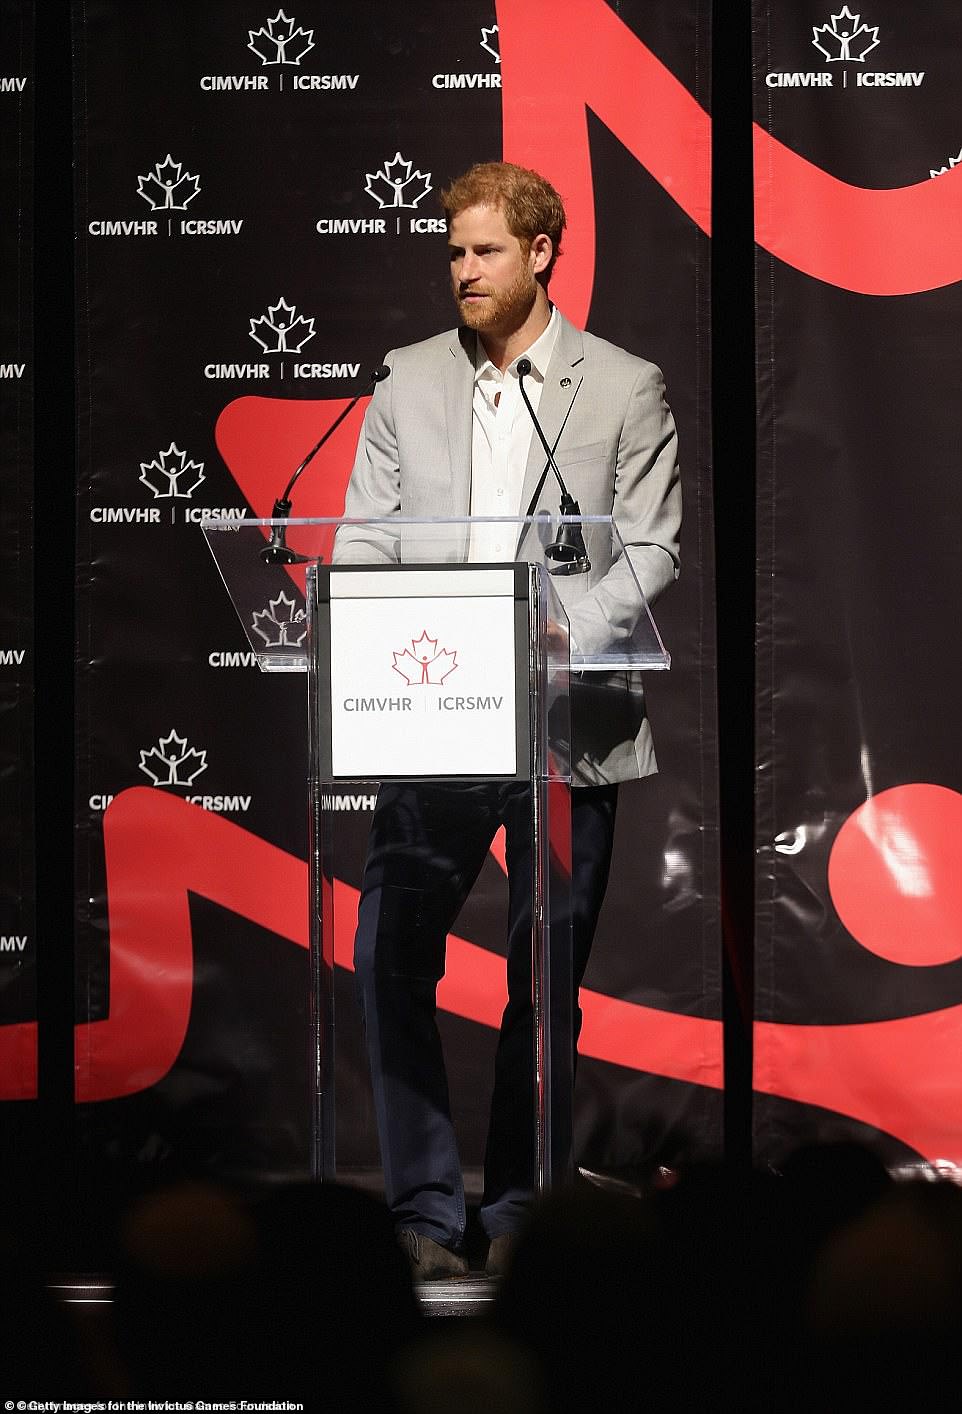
<point>587,572</point>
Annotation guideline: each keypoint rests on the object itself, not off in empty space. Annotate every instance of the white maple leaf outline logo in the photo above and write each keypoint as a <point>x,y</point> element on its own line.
<point>289,334</point>
<point>277,38</point>
<point>953,162</point>
<point>172,473</point>
<point>491,44</point>
<point>395,176</point>
<point>168,179</point>
<point>276,623</point>
<point>171,755</point>
<point>842,40</point>
<point>425,666</point>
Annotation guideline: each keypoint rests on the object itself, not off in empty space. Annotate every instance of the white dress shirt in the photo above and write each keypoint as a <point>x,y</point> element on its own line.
<point>501,439</point>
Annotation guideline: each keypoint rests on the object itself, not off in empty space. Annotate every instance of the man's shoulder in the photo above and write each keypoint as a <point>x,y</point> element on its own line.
<point>437,349</point>
<point>604,354</point>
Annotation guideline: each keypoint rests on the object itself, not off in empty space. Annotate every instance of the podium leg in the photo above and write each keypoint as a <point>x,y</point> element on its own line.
<point>552,980</point>
<point>320,861</point>
<point>540,980</point>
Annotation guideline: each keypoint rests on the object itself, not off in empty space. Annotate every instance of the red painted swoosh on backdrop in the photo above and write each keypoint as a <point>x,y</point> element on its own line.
<point>557,64</point>
<point>262,440</point>
<point>901,1076</point>
<point>159,850</point>
<point>874,242</point>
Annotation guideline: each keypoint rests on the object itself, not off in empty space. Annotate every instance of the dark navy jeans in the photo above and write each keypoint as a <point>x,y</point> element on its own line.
<point>427,846</point>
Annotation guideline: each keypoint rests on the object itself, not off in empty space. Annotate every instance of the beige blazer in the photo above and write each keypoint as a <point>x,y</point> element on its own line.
<point>617,454</point>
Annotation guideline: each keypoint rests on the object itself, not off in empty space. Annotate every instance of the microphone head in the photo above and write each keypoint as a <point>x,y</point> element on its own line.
<point>379,374</point>
<point>524,367</point>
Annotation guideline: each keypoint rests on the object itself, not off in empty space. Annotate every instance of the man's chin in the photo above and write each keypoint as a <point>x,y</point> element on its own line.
<point>477,314</point>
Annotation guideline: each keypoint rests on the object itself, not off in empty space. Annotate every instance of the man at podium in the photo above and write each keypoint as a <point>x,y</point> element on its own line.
<point>449,434</point>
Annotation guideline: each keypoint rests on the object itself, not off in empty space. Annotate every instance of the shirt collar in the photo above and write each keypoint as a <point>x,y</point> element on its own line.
<point>539,353</point>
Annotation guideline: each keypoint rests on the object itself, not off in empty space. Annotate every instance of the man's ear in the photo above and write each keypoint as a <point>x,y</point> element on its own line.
<point>541,250</point>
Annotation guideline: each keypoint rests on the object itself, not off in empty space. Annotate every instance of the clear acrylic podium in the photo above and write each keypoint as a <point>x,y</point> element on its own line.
<point>399,625</point>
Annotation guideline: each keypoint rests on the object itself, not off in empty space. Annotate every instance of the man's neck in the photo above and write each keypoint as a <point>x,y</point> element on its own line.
<point>503,348</point>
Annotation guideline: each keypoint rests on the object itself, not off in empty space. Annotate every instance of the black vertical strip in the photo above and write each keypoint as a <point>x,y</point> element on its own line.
<point>18,932</point>
<point>733,431</point>
<point>17,940</point>
<point>765,826</point>
<point>53,577</point>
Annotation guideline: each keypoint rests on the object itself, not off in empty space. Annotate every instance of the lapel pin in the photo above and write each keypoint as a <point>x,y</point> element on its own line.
<point>566,382</point>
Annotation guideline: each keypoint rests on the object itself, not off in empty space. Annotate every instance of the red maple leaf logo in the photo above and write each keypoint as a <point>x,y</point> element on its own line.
<point>422,665</point>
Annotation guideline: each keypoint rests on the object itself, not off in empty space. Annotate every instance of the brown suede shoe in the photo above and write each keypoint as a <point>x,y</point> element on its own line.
<point>429,1260</point>
<point>500,1254</point>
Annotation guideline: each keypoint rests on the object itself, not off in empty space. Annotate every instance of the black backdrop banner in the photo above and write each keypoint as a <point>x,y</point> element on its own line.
<point>859,221</point>
<point>258,222</point>
<point>18,1074</point>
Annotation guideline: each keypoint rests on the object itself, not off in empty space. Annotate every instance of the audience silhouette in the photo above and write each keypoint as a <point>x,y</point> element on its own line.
<point>825,1286</point>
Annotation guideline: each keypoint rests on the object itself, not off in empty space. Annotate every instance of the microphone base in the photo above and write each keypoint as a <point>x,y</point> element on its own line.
<point>282,555</point>
<point>579,566</point>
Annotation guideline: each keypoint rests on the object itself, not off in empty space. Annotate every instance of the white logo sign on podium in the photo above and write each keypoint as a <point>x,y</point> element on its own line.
<point>423,673</point>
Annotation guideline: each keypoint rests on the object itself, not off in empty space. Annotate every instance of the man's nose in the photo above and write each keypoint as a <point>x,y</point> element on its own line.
<point>470,269</point>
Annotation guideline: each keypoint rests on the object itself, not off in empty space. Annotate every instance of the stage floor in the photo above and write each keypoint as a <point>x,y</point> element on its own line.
<point>472,1295</point>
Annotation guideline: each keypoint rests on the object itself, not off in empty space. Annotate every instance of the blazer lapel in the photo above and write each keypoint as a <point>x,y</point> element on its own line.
<point>458,394</point>
<point>562,381</point>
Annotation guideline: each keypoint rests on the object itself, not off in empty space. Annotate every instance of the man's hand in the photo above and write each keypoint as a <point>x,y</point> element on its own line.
<point>558,639</point>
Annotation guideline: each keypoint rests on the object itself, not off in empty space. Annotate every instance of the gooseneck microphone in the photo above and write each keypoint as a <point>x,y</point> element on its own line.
<point>569,550</point>
<point>277,551</point>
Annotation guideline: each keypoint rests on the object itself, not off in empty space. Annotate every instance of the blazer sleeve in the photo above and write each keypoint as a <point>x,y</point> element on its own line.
<point>374,490</point>
<point>646,507</point>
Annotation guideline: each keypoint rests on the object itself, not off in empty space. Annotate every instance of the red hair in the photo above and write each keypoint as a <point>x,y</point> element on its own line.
<point>530,205</point>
